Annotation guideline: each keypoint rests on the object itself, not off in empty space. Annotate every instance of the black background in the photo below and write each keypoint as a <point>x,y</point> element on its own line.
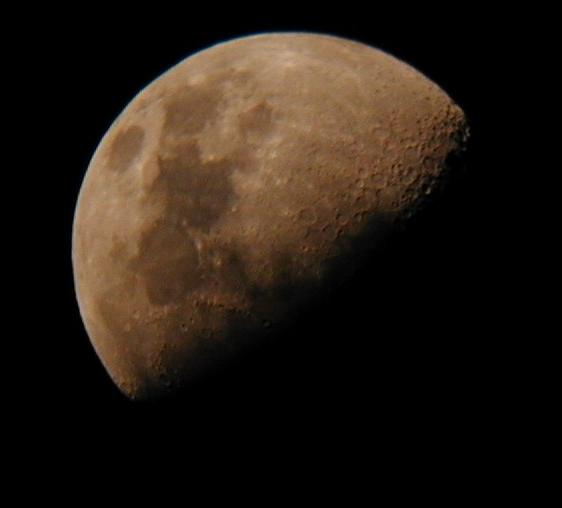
<point>417,345</point>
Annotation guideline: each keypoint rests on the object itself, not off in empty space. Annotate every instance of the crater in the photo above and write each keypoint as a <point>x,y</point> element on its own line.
<point>125,147</point>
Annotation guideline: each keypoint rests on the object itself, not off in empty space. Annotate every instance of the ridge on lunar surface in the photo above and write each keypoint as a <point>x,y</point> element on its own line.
<point>234,189</point>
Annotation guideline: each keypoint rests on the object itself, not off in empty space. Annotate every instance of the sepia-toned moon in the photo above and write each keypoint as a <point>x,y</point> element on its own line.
<point>241,185</point>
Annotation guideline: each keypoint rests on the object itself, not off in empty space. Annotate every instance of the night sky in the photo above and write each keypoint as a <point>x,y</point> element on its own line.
<point>416,343</point>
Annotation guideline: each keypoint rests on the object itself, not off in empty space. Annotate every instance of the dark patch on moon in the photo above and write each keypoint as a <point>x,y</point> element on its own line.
<point>232,271</point>
<point>188,112</point>
<point>111,315</point>
<point>193,191</point>
<point>118,250</point>
<point>195,194</point>
<point>168,262</point>
<point>256,120</point>
<point>125,147</point>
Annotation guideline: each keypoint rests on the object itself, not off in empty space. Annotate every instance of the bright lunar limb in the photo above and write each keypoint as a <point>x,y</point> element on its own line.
<point>234,188</point>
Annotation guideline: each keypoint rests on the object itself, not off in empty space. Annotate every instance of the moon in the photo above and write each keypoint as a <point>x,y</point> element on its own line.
<point>239,187</point>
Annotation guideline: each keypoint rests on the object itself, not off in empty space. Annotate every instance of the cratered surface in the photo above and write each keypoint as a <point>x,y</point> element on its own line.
<point>239,187</point>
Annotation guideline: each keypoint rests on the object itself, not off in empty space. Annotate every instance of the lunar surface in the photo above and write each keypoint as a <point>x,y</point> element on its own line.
<point>241,185</point>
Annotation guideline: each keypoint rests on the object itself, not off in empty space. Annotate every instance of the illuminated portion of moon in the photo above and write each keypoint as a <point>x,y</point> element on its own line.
<point>237,186</point>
